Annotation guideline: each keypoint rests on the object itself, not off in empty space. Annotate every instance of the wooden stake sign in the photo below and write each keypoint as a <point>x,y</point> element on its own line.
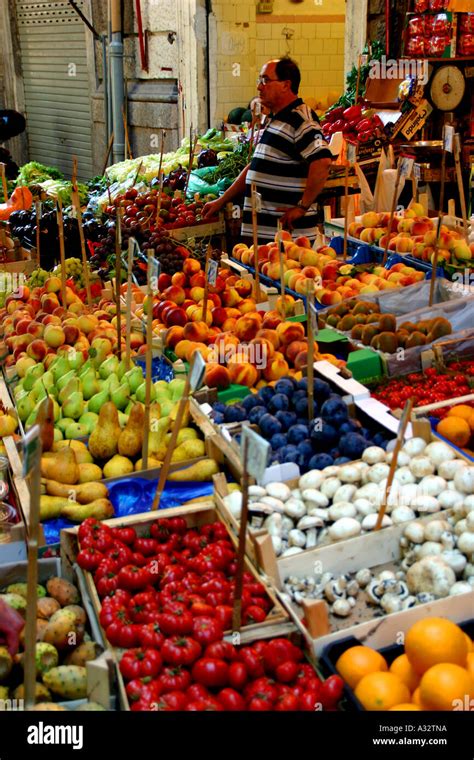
<point>462,196</point>
<point>281,251</point>
<point>131,247</point>
<point>434,269</point>
<point>239,573</point>
<point>311,318</point>
<point>4,182</point>
<point>255,207</point>
<point>206,284</point>
<point>77,205</point>
<point>59,216</point>
<point>109,148</point>
<point>393,209</point>
<point>118,276</point>
<point>31,469</point>
<point>404,420</point>
<point>193,382</point>
<point>38,209</point>
<point>148,357</point>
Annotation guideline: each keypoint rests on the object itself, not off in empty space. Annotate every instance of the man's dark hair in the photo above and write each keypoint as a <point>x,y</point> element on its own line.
<point>286,68</point>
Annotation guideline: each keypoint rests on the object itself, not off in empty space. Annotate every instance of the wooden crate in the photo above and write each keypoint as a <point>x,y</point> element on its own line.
<point>197,515</point>
<point>379,550</point>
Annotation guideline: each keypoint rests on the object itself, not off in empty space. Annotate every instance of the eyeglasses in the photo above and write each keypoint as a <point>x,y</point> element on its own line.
<point>265,80</point>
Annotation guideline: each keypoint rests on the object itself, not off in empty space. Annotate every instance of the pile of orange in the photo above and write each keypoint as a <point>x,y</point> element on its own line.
<point>458,425</point>
<point>436,671</point>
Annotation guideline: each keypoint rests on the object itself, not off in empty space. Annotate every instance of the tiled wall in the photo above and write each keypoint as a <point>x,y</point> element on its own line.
<point>250,39</point>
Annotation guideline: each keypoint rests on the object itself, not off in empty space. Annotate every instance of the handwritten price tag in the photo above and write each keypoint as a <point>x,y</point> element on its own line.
<point>155,267</point>
<point>313,316</point>
<point>212,272</point>
<point>257,200</point>
<point>448,139</point>
<point>258,451</point>
<point>406,166</point>
<point>351,153</point>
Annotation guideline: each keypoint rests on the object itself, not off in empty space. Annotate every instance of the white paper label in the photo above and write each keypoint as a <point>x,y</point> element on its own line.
<point>313,315</point>
<point>197,372</point>
<point>212,272</point>
<point>351,153</point>
<point>406,166</point>
<point>258,202</point>
<point>448,139</point>
<point>417,172</point>
<point>258,451</point>
<point>31,450</point>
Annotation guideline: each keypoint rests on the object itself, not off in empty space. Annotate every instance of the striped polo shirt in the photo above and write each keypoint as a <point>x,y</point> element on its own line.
<point>291,141</point>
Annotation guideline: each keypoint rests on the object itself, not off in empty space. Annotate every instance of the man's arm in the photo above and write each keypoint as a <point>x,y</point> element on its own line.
<point>237,188</point>
<point>317,176</point>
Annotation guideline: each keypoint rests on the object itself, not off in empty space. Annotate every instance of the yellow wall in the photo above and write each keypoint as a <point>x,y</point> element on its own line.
<point>317,45</point>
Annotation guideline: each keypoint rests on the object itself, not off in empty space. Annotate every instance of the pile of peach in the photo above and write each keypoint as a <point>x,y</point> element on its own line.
<point>412,233</point>
<point>332,281</point>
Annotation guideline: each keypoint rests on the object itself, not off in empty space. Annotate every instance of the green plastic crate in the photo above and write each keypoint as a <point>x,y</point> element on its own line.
<point>365,365</point>
<point>233,393</point>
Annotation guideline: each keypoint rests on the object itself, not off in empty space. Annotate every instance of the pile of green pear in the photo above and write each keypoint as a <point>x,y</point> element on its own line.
<point>80,388</point>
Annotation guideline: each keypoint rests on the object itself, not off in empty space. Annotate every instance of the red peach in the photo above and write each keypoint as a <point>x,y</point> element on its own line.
<point>191,266</point>
<point>277,368</point>
<point>174,316</point>
<point>196,332</point>
<point>173,336</point>
<point>290,331</point>
<point>270,335</point>
<point>247,306</point>
<point>37,350</point>
<point>198,280</point>
<point>271,320</point>
<point>71,334</point>
<point>175,293</point>
<point>219,315</point>
<point>164,281</point>
<point>243,288</point>
<point>36,329</point>
<point>248,326</point>
<point>179,278</point>
<point>217,376</point>
<point>243,374</point>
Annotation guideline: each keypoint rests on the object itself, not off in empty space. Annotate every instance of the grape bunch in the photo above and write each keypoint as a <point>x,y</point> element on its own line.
<point>37,278</point>
<point>74,271</point>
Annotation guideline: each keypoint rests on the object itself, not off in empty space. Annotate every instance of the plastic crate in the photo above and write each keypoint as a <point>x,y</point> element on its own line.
<point>332,652</point>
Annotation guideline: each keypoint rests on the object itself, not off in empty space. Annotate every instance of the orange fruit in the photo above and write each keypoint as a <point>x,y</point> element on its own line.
<point>415,698</point>
<point>434,640</point>
<point>405,706</point>
<point>446,687</point>
<point>402,668</point>
<point>455,429</point>
<point>460,410</point>
<point>470,648</point>
<point>470,421</point>
<point>357,662</point>
<point>381,691</point>
<point>470,663</point>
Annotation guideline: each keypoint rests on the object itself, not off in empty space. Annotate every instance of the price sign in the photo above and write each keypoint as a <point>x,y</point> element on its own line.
<point>155,267</point>
<point>258,451</point>
<point>406,167</point>
<point>197,372</point>
<point>212,272</point>
<point>31,450</point>
<point>448,142</point>
<point>417,172</point>
<point>313,315</point>
<point>258,202</point>
<point>351,153</point>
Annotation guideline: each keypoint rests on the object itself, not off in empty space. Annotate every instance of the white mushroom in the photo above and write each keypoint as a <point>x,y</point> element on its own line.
<point>435,529</point>
<point>402,460</point>
<point>466,543</point>
<point>276,504</point>
<point>378,472</point>
<point>277,546</point>
<point>314,498</point>
<point>311,538</point>
<point>439,452</point>
<point>429,549</point>
<point>468,504</point>
<point>295,508</point>
<point>461,587</point>
<point>364,507</point>
<point>449,468</point>
<point>349,473</point>
<point>469,571</point>
<point>414,446</point>
<point>308,522</point>
<point>233,502</point>
<point>352,588</point>
<point>335,589</point>
<point>391,603</point>
<point>432,485</point>
<point>311,479</point>
<point>431,575</point>
<point>330,486</point>
<point>296,538</point>
<point>420,466</point>
<point>387,575</point>
<point>332,471</point>
<point>363,577</point>
<point>464,480</point>
<point>401,515</point>
<point>273,524</point>
<point>257,491</point>
<point>470,521</point>
<point>460,527</point>
<point>448,499</point>
<point>341,608</point>
<point>425,504</point>
<point>344,493</point>
<point>404,476</point>
<point>415,532</point>
<point>373,454</point>
<point>369,522</point>
<point>292,550</point>
<point>317,512</point>
<point>296,494</point>
<point>455,560</point>
<point>278,491</point>
<point>344,528</point>
<point>342,509</point>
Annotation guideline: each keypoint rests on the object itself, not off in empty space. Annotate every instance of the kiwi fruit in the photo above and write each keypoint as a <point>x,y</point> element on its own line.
<point>440,327</point>
<point>373,319</point>
<point>356,332</point>
<point>416,338</point>
<point>409,326</point>
<point>368,333</point>
<point>346,323</point>
<point>387,323</point>
<point>388,342</point>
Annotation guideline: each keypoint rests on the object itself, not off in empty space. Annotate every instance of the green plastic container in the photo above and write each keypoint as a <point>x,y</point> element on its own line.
<point>365,365</point>
<point>233,393</point>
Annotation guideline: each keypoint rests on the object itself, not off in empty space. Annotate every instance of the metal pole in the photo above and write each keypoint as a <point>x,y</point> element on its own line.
<point>105,77</point>
<point>116,63</point>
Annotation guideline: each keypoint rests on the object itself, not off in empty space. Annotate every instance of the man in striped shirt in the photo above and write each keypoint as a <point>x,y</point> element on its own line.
<point>290,164</point>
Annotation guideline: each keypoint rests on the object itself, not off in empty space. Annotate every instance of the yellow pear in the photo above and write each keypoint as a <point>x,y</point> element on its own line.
<point>131,438</point>
<point>62,466</point>
<point>103,441</point>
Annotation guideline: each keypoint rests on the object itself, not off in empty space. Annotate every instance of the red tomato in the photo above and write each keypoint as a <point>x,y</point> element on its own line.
<point>237,675</point>
<point>134,578</point>
<point>177,621</point>
<point>149,635</point>
<point>197,691</point>
<point>231,700</point>
<point>122,633</point>
<point>253,614</point>
<point>175,678</point>
<point>286,672</point>
<point>125,535</point>
<point>138,663</point>
<point>206,630</point>
<point>262,687</point>
<point>279,651</point>
<point>205,705</point>
<point>89,559</point>
<point>222,650</point>
<point>309,701</point>
<point>223,614</point>
<point>174,700</point>
<point>180,650</point>
<point>331,691</point>
<point>146,546</point>
<point>211,672</point>
<point>252,661</point>
<point>287,703</point>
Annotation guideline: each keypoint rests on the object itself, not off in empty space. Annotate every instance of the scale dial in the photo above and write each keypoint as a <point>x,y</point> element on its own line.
<point>447,88</point>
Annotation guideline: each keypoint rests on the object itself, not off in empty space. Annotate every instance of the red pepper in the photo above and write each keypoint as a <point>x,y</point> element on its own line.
<point>353,112</point>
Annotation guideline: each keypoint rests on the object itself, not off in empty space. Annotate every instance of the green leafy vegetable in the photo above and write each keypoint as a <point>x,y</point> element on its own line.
<point>33,173</point>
